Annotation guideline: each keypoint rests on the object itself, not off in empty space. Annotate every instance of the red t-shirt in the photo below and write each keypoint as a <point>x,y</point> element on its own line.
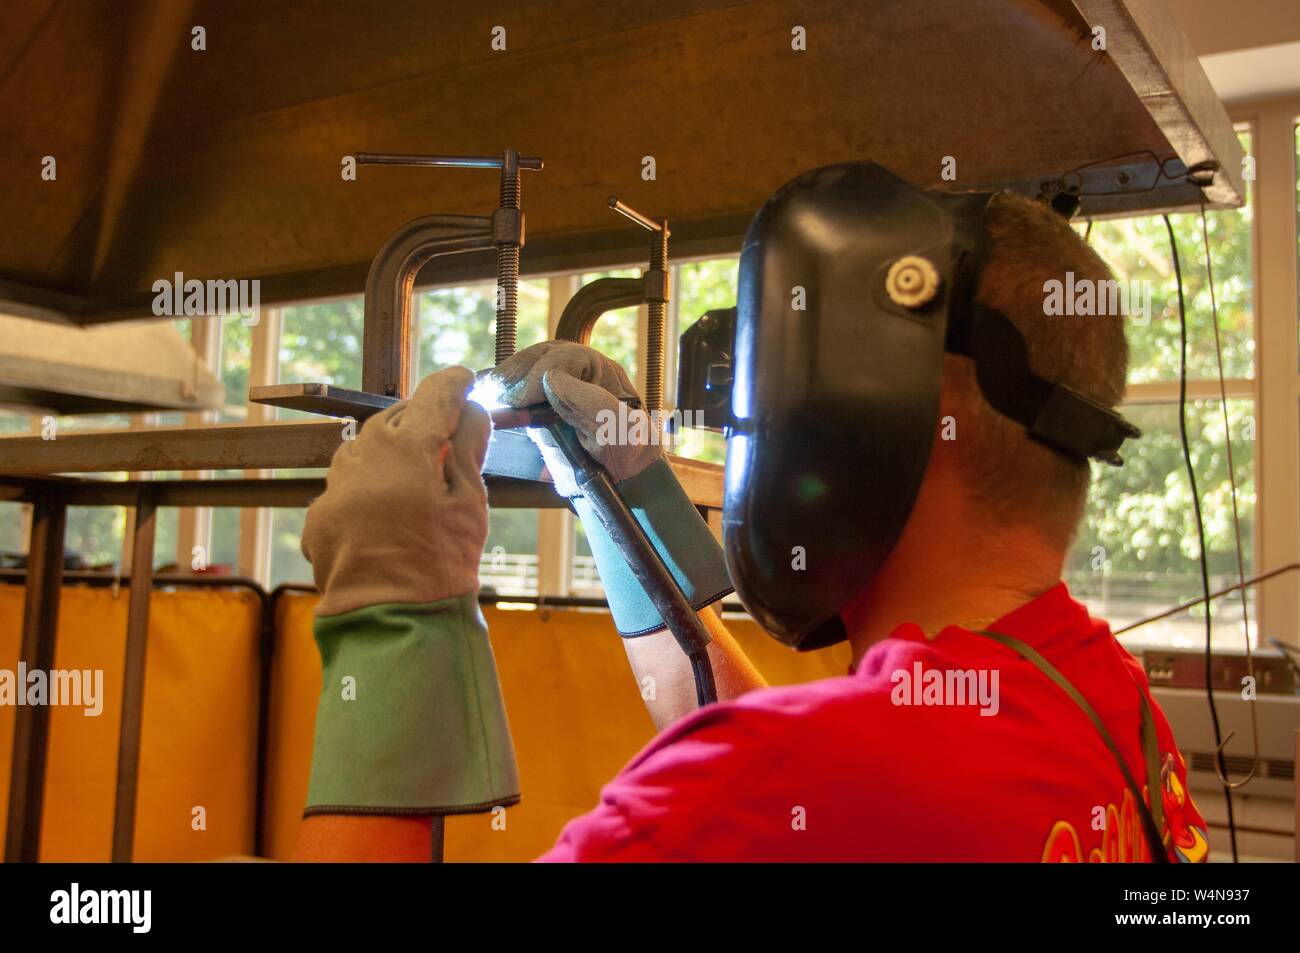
<point>1005,767</point>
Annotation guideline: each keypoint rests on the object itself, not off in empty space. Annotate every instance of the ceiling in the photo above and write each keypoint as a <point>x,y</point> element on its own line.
<point>1213,27</point>
<point>225,163</point>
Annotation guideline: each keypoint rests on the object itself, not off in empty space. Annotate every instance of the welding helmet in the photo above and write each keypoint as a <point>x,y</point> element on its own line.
<point>853,284</point>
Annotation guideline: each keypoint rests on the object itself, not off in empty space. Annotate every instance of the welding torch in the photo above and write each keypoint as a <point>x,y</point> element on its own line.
<point>643,559</point>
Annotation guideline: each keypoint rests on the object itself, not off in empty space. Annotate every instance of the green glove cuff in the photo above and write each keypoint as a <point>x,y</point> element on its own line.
<point>681,537</point>
<point>411,719</point>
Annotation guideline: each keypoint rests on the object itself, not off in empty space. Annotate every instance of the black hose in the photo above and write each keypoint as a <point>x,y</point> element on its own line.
<point>1200,534</point>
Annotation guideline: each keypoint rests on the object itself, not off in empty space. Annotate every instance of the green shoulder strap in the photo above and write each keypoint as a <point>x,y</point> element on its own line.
<point>1153,816</point>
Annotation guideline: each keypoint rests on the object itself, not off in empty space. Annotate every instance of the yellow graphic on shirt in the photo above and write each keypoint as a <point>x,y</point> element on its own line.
<point>1122,840</point>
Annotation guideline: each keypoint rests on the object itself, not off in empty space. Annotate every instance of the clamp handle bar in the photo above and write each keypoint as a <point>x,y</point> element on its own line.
<point>532,163</point>
<point>645,221</point>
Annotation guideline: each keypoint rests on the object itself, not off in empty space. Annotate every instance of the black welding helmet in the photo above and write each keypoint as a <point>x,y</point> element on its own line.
<point>852,286</point>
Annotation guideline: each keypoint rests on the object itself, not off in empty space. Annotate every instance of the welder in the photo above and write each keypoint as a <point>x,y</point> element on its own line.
<point>908,459</point>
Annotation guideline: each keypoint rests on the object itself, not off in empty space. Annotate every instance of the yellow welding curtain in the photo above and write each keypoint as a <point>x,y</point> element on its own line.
<point>199,734</point>
<point>575,713</point>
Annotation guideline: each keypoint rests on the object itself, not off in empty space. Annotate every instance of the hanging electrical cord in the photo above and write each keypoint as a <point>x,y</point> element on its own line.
<point>1236,523</point>
<point>1200,531</point>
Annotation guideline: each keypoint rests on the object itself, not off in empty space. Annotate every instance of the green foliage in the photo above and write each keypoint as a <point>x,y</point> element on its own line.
<point>225,537</point>
<point>287,561</point>
<point>95,533</point>
<point>322,342</point>
<point>703,286</point>
<point>236,360</point>
<point>1137,249</point>
<point>11,528</point>
<point>513,530</point>
<point>458,325</point>
<point>1140,526</point>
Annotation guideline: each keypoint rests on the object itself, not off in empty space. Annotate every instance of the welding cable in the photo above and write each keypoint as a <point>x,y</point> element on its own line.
<point>1236,518</point>
<point>706,690</point>
<point>1200,533</point>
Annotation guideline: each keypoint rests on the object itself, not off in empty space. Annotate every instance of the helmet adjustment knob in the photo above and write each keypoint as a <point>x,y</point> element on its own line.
<point>912,281</point>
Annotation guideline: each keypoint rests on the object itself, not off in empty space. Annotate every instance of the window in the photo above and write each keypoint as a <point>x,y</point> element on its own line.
<point>236,362</point>
<point>224,541</point>
<point>458,325</point>
<point>701,286</point>
<point>319,342</point>
<point>1137,552</point>
<point>287,561</point>
<point>322,342</point>
<point>94,534</point>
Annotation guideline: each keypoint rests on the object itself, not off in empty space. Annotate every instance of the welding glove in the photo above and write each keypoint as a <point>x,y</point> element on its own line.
<point>586,389</point>
<point>411,719</point>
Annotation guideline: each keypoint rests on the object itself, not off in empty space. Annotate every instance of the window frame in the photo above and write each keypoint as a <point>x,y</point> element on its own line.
<point>1276,384</point>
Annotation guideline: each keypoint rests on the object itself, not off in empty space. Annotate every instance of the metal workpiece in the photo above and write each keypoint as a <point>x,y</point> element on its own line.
<point>511,456</point>
<point>512,418</point>
<point>325,399</point>
<point>642,558</point>
<point>511,453</point>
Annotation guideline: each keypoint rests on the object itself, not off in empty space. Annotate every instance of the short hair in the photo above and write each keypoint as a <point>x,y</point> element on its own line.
<point>1017,479</point>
